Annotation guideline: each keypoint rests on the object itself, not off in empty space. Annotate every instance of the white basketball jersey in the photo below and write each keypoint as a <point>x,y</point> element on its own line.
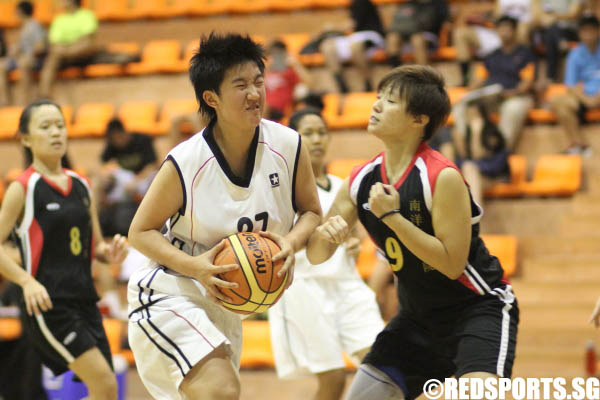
<point>217,203</point>
<point>340,265</point>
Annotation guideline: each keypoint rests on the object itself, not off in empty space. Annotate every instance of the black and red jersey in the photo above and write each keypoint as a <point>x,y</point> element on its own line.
<point>423,290</point>
<point>55,235</point>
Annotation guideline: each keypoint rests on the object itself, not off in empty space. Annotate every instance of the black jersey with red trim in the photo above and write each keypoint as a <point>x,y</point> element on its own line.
<point>423,290</point>
<point>55,235</point>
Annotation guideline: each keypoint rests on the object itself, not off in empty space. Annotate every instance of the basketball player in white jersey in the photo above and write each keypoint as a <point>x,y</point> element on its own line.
<point>317,319</point>
<point>240,173</point>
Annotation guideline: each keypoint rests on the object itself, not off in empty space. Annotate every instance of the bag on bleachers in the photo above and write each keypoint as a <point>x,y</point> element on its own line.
<point>312,47</point>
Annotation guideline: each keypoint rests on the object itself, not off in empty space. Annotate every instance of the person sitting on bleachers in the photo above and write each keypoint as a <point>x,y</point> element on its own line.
<point>582,77</point>
<point>555,23</point>
<point>418,23</point>
<point>508,72</point>
<point>27,54</point>
<point>72,42</point>
<point>358,47</point>
<point>473,38</point>
<point>482,153</point>
<point>129,165</point>
<point>285,80</point>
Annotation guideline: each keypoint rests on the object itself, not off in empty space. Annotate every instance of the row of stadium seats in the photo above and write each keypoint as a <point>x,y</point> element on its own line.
<point>349,111</point>
<point>553,175</point>
<point>127,10</point>
<point>171,57</point>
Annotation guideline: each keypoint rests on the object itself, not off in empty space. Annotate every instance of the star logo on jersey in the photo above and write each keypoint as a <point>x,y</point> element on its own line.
<point>274,178</point>
<point>52,206</point>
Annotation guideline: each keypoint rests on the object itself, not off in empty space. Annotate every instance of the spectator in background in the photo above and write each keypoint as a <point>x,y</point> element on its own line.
<point>582,78</point>
<point>129,166</point>
<point>285,80</point>
<point>482,153</point>
<point>419,23</point>
<point>556,22</point>
<point>511,69</point>
<point>72,42</point>
<point>27,55</point>
<point>358,47</point>
<point>474,38</point>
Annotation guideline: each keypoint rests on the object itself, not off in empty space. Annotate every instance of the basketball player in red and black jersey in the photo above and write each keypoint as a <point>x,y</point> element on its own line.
<point>57,231</point>
<point>459,315</point>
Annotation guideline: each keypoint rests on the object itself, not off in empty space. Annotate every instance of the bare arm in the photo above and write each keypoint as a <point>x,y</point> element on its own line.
<point>448,250</point>
<point>144,233</point>
<point>36,296</point>
<point>339,220</point>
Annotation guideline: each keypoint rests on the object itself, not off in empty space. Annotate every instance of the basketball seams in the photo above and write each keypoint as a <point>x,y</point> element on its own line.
<point>243,248</point>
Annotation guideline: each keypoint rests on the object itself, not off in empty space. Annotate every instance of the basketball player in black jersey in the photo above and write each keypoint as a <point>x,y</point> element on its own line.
<point>57,231</point>
<point>459,315</point>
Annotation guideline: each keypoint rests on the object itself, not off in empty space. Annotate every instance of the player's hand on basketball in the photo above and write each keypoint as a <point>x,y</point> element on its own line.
<point>206,273</point>
<point>334,230</point>
<point>36,297</point>
<point>353,246</point>
<point>595,317</point>
<point>383,198</point>
<point>286,253</point>
<point>117,250</point>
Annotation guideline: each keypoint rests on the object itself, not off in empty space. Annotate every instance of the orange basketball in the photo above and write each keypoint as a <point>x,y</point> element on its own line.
<point>259,286</point>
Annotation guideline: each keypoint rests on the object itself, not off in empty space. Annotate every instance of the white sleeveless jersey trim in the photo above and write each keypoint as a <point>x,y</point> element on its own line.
<point>355,184</point>
<point>22,230</point>
<point>340,265</point>
<point>214,207</point>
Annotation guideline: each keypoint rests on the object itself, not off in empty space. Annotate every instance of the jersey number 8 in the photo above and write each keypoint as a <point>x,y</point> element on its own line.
<point>75,240</point>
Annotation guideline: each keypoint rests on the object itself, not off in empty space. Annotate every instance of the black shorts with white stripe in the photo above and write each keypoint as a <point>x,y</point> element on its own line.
<point>477,337</point>
<point>65,332</point>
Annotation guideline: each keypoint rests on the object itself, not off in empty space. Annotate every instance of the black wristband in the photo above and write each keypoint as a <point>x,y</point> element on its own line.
<point>395,211</point>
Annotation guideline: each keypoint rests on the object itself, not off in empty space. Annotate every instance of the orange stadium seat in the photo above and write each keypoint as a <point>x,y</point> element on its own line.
<point>456,93</point>
<point>331,3</point>
<point>250,6</point>
<point>70,73</point>
<point>10,328</point>
<point>518,176</point>
<point>113,328</point>
<point>9,121</point>
<point>2,189</point>
<point>105,70</point>
<point>287,5</point>
<point>43,11</point>
<point>555,175</point>
<point>91,119</point>
<point>367,258</point>
<point>67,112</point>
<point>356,110</point>
<point>256,345</point>
<point>183,64</point>
<point>8,15</point>
<point>157,56</point>
<point>342,168</point>
<point>139,116</point>
<point>505,248</point>
<point>114,10</point>
<point>172,109</point>
<point>209,7</point>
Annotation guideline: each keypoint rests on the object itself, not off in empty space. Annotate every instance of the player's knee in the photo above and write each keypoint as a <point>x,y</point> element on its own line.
<point>105,387</point>
<point>223,392</point>
<point>334,378</point>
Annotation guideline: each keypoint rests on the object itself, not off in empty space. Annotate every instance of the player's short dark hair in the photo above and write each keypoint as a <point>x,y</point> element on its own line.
<point>422,89</point>
<point>216,54</point>
<point>25,117</point>
<point>25,7</point>
<point>588,20</point>
<point>297,116</point>
<point>77,2</point>
<point>507,19</point>
<point>114,125</point>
